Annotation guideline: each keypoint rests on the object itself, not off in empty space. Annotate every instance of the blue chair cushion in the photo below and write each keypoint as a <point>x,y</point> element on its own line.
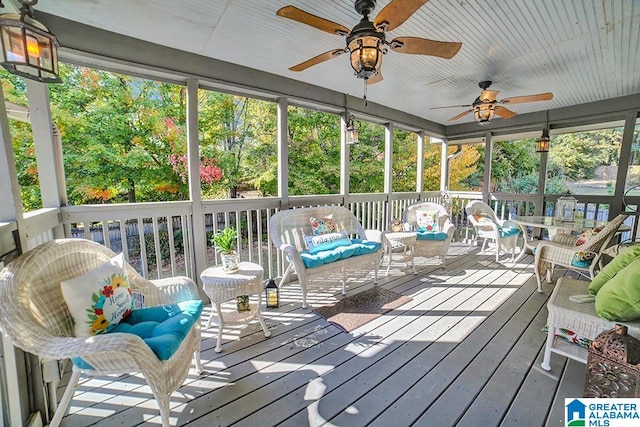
<point>357,247</point>
<point>431,235</point>
<point>508,231</point>
<point>162,328</point>
<point>583,259</point>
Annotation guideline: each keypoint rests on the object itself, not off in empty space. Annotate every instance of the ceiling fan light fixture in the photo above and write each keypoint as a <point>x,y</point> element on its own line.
<point>27,48</point>
<point>366,50</point>
<point>484,112</point>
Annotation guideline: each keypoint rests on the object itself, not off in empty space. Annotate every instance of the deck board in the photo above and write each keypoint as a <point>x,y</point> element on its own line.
<point>471,334</point>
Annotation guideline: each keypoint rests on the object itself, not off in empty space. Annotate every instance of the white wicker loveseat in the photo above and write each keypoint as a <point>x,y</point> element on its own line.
<point>36,318</point>
<point>288,229</point>
<point>430,243</point>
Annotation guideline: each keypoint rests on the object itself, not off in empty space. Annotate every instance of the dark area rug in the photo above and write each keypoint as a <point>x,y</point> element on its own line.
<point>358,309</point>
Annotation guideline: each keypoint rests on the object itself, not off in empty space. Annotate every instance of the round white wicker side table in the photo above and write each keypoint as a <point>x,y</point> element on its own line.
<point>406,240</point>
<point>221,286</point>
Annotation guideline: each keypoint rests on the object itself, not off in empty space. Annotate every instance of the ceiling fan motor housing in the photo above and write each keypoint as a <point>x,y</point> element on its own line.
<point>365,7</point>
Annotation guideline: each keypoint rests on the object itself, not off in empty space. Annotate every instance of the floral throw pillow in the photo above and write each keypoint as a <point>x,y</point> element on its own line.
<point>323,225</point>
<point>585,235</point>
<point>100,299</point>
<point>427,220</point>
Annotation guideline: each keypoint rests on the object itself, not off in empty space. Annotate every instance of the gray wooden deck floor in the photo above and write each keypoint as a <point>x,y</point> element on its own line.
<point>465,351</point>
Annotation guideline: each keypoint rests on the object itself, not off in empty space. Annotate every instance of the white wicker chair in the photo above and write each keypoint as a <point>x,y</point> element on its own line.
<point>489,227</point>
<point>430,248</point>
<point>287,229</point>
<point>562,249</point>
<point>34,316</point>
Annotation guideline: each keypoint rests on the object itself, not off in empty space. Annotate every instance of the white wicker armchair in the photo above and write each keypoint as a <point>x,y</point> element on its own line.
<point>287,230</point>
<point>562,249</point>
<point>34,316</point>
<point>427,247</point>
<point>489,227</point>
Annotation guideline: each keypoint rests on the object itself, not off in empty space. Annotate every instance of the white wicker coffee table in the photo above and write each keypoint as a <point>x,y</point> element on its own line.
<point>406,240</point>
<point>221,286</point>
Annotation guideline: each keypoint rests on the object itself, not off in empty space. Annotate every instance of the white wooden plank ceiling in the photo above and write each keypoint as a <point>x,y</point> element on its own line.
<point>581,50</point>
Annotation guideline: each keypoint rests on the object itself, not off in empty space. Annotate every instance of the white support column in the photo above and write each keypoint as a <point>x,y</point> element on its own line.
<point>420,163</point>
<point>11,206</point>
<point>48,149</point>
<point>488,148</point>
<point>199,237</point>
<point>444,165</point>
<point>14,379</point>
<point>388,157</point>
<point>345,149</point>
<point>542,183</point>
<point>617,206</point>
<point>388,169</point>
<point>283,153</point>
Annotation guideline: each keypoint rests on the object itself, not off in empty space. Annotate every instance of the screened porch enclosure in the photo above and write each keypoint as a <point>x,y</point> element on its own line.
<point>472,333</point>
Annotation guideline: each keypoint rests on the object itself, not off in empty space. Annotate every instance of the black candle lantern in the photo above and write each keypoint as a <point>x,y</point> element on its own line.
<point>272,294</point>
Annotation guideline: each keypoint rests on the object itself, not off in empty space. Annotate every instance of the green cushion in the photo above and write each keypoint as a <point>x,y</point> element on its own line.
<point>620,261</point>
<point>619,298</point>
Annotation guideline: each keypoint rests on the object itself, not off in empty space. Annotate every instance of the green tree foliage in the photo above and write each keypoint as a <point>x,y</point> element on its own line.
<point>314,152</point>
<point>463,175</point>
<point>405,159</point>
<point>235,130</point>
<point>118,133</point>
<point>577,155</point>
<point>367,159</point>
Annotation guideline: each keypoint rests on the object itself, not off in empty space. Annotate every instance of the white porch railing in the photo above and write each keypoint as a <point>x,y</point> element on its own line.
<point>157,238</point>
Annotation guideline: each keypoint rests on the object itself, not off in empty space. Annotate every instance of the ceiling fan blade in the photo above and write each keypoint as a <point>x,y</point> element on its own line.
<point>300,15</point>
<point>489,95</point>
<point>504,112</point>
<point>418,46</point>
<point>396,12</point>
<point>547,96</point>
<point>317,59</point>
<point>375,79</point>
<point>450,106</point>
<point>464,113</point>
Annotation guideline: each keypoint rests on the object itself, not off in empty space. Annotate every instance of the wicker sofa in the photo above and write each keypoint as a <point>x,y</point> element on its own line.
<point>290,231</point>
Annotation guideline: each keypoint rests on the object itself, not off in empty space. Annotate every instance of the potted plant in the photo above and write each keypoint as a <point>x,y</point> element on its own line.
<point>225,243</point>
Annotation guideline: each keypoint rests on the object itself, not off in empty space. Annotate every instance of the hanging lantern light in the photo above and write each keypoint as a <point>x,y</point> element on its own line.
<point>28,49</point>
<point>352,132</point>
<point>272,294</point>
<point>542,143</point>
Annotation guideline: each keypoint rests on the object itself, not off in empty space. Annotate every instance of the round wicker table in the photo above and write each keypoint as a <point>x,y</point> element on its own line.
<point>406,240</point>
<point>221,286</point>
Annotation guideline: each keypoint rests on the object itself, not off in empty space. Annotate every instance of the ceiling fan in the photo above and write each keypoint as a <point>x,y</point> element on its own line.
<point>366,42</point>
<point>485,106</point>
